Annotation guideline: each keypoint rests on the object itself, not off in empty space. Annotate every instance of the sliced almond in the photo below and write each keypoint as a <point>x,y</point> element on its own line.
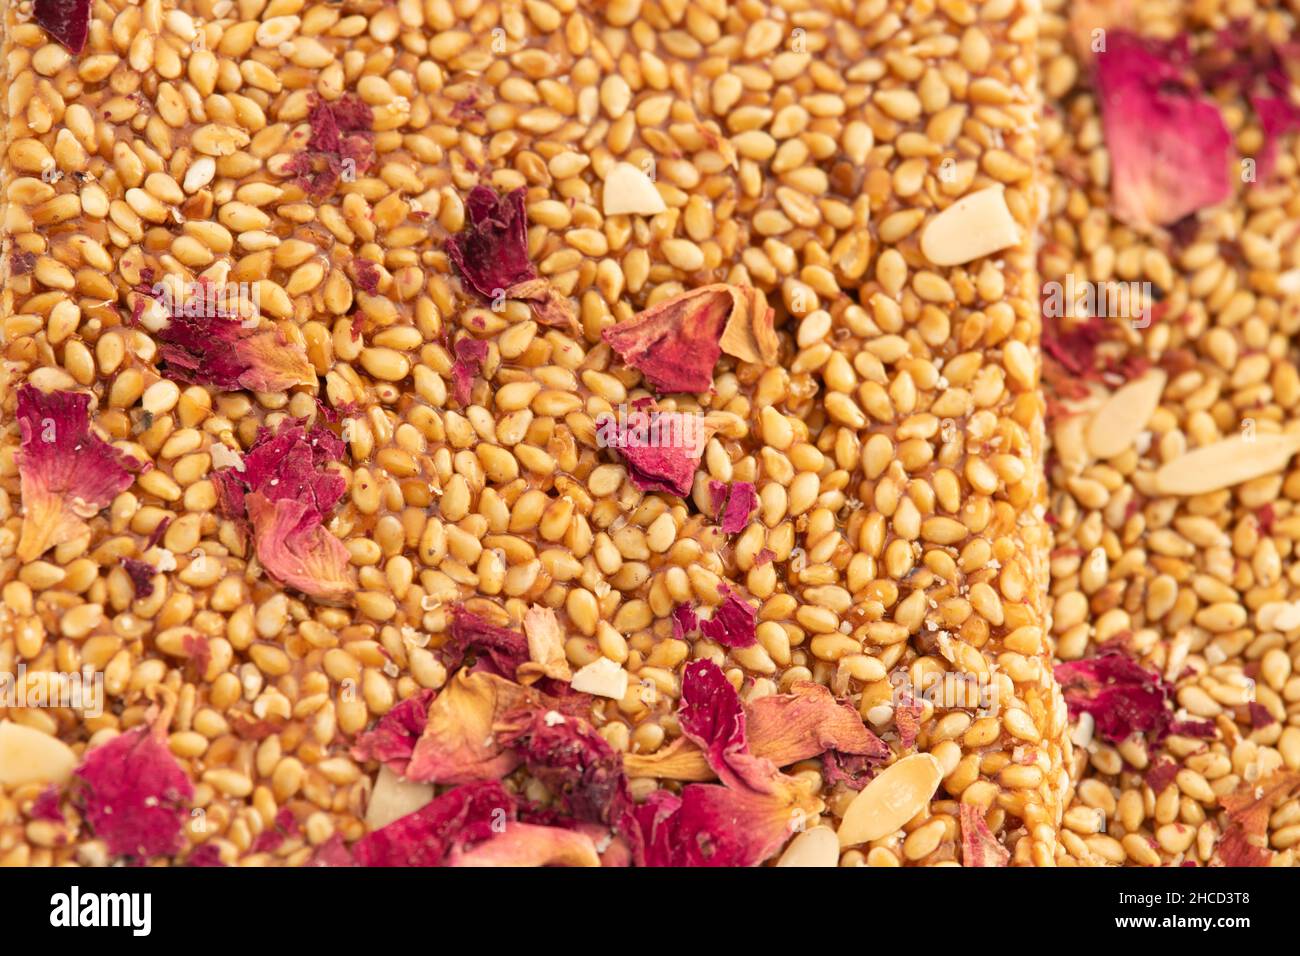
<point>816,847</point>
<point>628,190</point>
<point>974,226</point>
<point>602,677</point>
<point>1226,463</point>
<point>1124,415</point>
<point>394,797</point>
<point>29,756</point>
<point>890,800</point>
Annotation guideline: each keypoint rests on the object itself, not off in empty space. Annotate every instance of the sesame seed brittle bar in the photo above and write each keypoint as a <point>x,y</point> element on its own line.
<point>535,433</point>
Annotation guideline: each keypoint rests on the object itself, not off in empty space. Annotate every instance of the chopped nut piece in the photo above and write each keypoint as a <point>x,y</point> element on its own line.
<point>974,226</point>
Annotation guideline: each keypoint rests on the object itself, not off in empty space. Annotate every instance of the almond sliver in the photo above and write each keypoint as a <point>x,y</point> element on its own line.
<point>394,797</point>
<point>629,191</point>
<point>29,756</point>
<point>1124,415</point>
<point>815,847</point>
<point>890,800</point>
<point>1226,463</point>
<point>974,226</point>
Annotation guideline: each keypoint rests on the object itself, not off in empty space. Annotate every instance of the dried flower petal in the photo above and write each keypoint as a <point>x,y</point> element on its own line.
<point>205,854</point>
<point>289,463</point>
<point>571,759</point>
<point>733,503</point>
<point>470,355</point>
<point>463,816</point>
<point>1169,147</point>
<point>392,741</point>
<point>546,657</point>
<point>296,550</point>
<point>550,308</point>
<point>750,335</point>
<point>141,574</point>
<point>783,728</point>
<point>1277,116</point>
<point>712,717</point>
<point>524,844</point>
<point>978,845</point>
<point>66,21</point>
<point>685,621</point>
<point>227,355</point>
<point>339,146</point>
<point>1245,838</point>
<point>1161,775</point>
<point>491,254</point>
<point>67,472</point>
<point>136,795</point>
<point>459,744</point>
<point>734,622</point>
<point>500,649</point>
<point>1122,696</point>
<point>46,805</point>
<point>674,343</point>
<point>907,720</point>
<point>662,449</point>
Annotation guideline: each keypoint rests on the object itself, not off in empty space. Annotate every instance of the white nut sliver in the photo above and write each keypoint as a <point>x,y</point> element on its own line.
<point>815,847</point>
<point>1225,463</point>
<point>890,800</point>
<point>29,756</point>
<point>602,677</point>
<point>974,226</point>
<point>1117,424</point>
<point>628,190</point>
<point>394,797</point>
<point>224,457</point>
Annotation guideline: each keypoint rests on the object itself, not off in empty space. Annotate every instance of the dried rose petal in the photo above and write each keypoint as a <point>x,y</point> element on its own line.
<point>458,744</point>
<point>470,356</point>
<point>674,343</point>
<point>339,145</point>
<point>1122,696</point>
<point>907,720</point>
<point>225,354</point>
<point>733,503</point>
<point>205,854</point>
<point>710,825</point>
<point>1259,716</point>
<point>783,728</point>
<point>492,252</point>
<point>979,847</point>
<point>136,795</point>
<point>141,573</point>
<point>1277,116</point>
<point>463,816</point>
<point>550,308</point>
<point>575,763</point>
<point>500,648</point>
<point>853,770</point>
<point>685,621</point>
<point>1161,775</point>
<point>712,717</point>
<point>524,844</point>
<point>1169,147</point>
<point>662,449</point>
<point>1245,838</point>
<point>289,463</point>
<point>742,822</point>
<point>46,805</point>
<point>734,622</point>
<point>392,741</point>
<point>66,21</point>
<point>296,550</point>
<point>366,274</point>
<point>67,472</point>
<point>332,853</point>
